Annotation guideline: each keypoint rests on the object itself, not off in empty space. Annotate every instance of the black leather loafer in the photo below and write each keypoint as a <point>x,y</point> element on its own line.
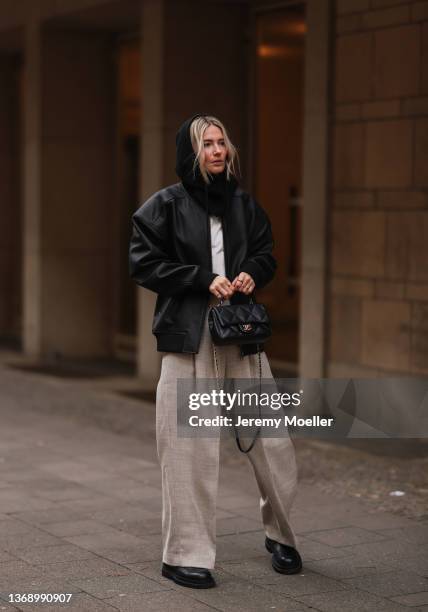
<point>285,559</point>
<point>193,577</point>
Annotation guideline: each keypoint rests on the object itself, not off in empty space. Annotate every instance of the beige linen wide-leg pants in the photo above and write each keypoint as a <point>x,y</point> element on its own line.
<point>190,466</point>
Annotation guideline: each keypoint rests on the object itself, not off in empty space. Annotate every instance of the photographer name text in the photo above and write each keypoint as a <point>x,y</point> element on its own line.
<point>276,422</point>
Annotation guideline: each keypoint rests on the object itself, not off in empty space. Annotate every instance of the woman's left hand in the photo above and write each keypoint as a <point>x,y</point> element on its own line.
<point>244,283</point>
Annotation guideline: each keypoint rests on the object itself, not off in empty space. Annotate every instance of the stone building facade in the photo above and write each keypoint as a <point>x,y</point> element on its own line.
<point>91,94</point>
<point>379,219</point>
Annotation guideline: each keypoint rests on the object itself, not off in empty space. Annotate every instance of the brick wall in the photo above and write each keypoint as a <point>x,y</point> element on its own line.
<point>378,286</point>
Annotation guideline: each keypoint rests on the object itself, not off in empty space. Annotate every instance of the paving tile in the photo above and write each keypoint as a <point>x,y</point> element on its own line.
<point>120,547</point>
<point>418,564</point>
<point>54,514</point>
<point>381,521</point>
<point>123,513</point>
<point>388,551</point>
<point>157,602</point>
<point>52,554</point>
<point>226,595</point>
<point>412,599</point>
<point>114,539</point>
<point>83,568</point>
<point>124,489</point>
<point>14,502</point>
<point>344,536</point>
<point>5,607</point>
<point>232,547</point>
<point>347,567</point>
<point>305,523</point>
<point>12,526</point>
<point>92,504</point>
<point>13,571</point>
<point>77,527</point>
<point>233,593</point>
<point>146,527</point>
<point>350,601</point>
<point>77,471</point>
<point>108,586</point>
<point>389,584</point>
<point>415,534</point>
<point>27,539</point>
<point>306,582</point>
<point>232,502</point>
<point>5,556</point>
<point>312,551</point>
<point>38,584</point>
<point>61,491</point>
<point>251,512</point>
<point>237,525</point>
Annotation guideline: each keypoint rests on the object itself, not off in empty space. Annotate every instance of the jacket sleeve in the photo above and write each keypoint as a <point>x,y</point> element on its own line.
<point>151,267</point>
<point>260,263</point>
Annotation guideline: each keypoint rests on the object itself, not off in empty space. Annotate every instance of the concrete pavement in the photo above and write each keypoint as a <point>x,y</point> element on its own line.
<point>80,509</point>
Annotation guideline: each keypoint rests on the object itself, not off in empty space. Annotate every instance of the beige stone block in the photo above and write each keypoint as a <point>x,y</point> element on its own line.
<point>417,292</point>
<point>348,23</point>
<point>386,17</point>
<point>354,199</point>
<point>353,67</point>
<point>353,287</point>
<point>345,325</point>
<point>351,6</point>
<point>406,200</point>
<point>381,109</point>
<point>349,155</point>
<point>348,112</point>
<point>420,11</point>
<point>388,157</point>
<point>420,336</point>
<point>407,239</point>
<point>424,59</point>
<point>415,106</point>
<point>396,62</point>
<point>358,243</point>
<point>386,334</point>
<point>421,152</point>
<point>389,290</point>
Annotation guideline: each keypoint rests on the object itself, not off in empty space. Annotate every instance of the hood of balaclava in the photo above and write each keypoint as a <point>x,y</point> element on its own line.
<point>215,196</point>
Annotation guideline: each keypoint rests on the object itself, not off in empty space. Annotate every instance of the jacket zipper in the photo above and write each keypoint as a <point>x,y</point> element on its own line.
<point>226,261</point>
<point>211,267</point>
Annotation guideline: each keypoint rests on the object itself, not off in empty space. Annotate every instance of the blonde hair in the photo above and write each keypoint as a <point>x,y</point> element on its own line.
<point>197,130</point>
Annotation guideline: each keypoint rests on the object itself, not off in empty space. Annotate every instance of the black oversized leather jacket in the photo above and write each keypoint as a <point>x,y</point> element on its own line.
<point>170,253</point>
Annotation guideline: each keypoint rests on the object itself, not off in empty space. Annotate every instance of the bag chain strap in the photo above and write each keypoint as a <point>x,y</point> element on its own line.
<point>247,450</point>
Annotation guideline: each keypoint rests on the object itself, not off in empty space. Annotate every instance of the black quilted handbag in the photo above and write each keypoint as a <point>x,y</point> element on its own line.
<point>239,324</point>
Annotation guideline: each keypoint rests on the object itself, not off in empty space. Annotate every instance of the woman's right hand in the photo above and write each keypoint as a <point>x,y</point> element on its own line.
<point>221,287</point>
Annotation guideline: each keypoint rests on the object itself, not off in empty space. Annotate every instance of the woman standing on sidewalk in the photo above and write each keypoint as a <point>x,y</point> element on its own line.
<point>192,243</point>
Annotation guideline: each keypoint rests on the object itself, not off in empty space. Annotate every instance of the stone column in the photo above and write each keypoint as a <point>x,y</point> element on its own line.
<point>10,204</point>
<point>69,124</point>
<point>31,142</point>
<point>152,128</point>
<point>194,60</point>
<point>315,173</point>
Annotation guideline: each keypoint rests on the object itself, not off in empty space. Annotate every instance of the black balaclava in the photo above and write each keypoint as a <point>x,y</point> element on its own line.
<point>215,196</point>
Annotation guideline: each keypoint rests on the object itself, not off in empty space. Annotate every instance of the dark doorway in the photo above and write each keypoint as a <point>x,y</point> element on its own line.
<point>278,141</point>
<point>128,163</point>
<point>11,202</point>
